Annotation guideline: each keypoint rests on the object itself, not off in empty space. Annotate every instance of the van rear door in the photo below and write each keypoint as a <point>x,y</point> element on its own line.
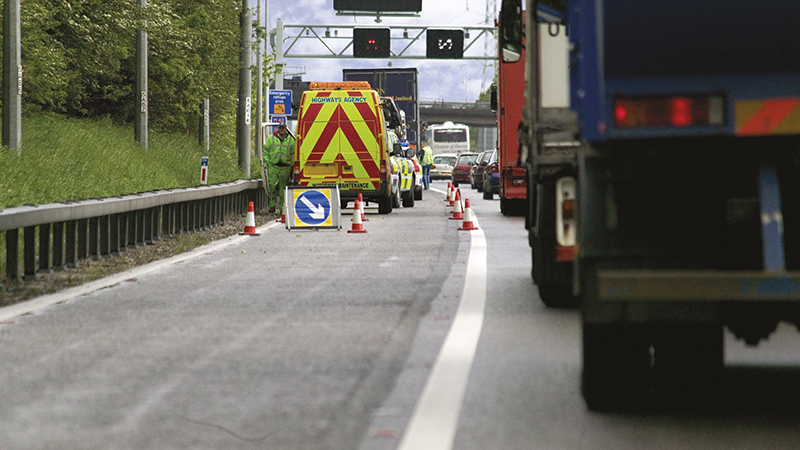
<point>340,139</point>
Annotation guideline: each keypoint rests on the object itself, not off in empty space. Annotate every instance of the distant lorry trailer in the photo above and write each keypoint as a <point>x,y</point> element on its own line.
<point>688,180</point>
<point>399,84</point>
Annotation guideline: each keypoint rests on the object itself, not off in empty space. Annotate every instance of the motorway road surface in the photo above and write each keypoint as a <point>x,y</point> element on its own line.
<point>332,340</point>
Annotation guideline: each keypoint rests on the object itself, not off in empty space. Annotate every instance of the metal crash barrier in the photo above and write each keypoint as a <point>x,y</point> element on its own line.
<point>56,236</point>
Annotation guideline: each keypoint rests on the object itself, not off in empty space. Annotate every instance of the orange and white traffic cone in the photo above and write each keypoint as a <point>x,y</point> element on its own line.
<point>452,197</point>
<point>467,224</point>
<point>357,227</point>
<point>447,193</point>
<point>457,213</point>
<point>250,221</point>
<point>283,214</point>
<point>361,202</point>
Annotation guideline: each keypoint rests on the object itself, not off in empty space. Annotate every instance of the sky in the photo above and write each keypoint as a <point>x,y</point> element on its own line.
<point>440,80</point>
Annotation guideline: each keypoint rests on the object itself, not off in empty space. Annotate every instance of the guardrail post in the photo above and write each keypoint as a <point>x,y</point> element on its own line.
<point>72,261</point>
<point>114,235</point>
<point>182,218</point>
<point>169,219</point>
<point>155,224</point>
<point>83,238</point>
<point>44,248</point>
<point>94,238</point>
<point>105,236</point>
<point>201,215</point>
<point>29,253</point>
<point>132,219</point>
<point>147,229</point>
<point>58,246</point>
<point>12,256</point>
<point>140,222</point>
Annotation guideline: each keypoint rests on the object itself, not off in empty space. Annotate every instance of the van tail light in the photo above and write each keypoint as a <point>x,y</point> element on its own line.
<point>296,170</point>
<point>677,111</point>
<point>383,167</point>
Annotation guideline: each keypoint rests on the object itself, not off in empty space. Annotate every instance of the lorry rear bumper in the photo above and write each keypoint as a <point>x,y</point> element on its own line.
<point>514,191</point>
<point>675,285</point>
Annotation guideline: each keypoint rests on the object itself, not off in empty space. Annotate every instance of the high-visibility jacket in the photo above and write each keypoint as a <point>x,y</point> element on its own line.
<point>427,159</point>
<point>279,152</point>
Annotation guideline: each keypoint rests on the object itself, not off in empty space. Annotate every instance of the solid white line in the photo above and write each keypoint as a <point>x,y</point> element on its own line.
<point>40,302</point>
<point>433,424</point>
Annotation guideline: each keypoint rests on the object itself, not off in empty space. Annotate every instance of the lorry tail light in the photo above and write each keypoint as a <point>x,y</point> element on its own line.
<point>680,109</point>
<point>383,167</point>
<point>675,111</point>
<point>566,227</point>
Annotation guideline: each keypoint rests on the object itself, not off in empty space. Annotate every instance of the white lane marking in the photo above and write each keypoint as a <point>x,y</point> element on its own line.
<point>433,424</point>
<point>68,294</point>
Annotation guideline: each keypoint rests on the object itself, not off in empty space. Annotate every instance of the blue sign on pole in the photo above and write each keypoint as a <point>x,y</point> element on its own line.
<point>313,208</point>
<point>280,103</point>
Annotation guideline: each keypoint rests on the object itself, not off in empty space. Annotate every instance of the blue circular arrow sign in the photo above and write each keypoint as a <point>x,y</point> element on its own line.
<point>312,208</point>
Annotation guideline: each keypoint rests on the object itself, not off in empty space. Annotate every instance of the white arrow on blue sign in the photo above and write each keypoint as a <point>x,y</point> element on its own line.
<point>312,208</point>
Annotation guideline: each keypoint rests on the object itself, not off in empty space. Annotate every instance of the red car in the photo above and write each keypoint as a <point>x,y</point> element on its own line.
<point>476,174</point>
<point>461,169</point>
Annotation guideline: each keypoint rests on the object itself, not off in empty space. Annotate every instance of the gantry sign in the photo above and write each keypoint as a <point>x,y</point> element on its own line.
<point>341,41</point>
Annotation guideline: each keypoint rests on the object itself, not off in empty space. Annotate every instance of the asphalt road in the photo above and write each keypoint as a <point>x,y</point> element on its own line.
<point>332,340</point>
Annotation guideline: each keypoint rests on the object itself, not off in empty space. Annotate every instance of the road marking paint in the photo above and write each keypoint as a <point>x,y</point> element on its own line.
<point>87,288</point>
<point>433,424</point>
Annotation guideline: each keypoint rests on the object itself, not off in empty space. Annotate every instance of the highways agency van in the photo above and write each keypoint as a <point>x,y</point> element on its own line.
<point>342,141</point>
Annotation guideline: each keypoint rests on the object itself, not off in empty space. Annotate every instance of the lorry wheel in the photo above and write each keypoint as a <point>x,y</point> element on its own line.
<point>487,195</point>
<point>616,362</point>
<point>553,277</point>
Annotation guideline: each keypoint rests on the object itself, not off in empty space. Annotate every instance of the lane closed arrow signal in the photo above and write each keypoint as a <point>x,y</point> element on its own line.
<point>317,212</point>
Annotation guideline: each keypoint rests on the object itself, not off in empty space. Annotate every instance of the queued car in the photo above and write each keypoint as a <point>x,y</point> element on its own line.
<point>491,177</point>
<point>461,169</point>
<point>476,173</point>
<point>442,167</point>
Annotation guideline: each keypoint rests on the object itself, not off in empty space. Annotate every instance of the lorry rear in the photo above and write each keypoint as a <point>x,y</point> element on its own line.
<point>342,141</point>
<point>689,189</point>
<point>510,101</point>
<point>537,150</point>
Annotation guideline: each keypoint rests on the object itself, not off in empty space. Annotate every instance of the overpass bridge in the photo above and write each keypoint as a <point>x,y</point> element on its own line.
<point>475,114</point>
